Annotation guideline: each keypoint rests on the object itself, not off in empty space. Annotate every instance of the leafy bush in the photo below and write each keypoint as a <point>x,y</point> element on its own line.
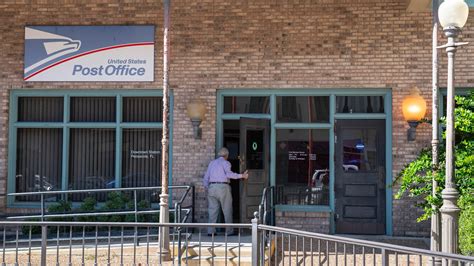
<point>61,207</point>
<point>416,178</point>
<point>116,201</point>
<point>466,231</point>
<point>35,230</point>
<point>88,205</point>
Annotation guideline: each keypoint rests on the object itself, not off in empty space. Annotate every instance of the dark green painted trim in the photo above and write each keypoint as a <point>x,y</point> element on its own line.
<point>12,140</point>
<point>238,116</point>
<point>273,113</point>
<point>118,142</point>
<point>360,116</point>
<point>332,174</point>
<point>141,125</point>
<point>66,135</point>
<point>303,125</point>
<point>38,124</point>
<point>388,166</point>
<point>87,93</point>
<point>304,92</point>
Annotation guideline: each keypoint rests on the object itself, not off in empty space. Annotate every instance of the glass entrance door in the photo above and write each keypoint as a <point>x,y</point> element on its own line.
<point>254,157</point>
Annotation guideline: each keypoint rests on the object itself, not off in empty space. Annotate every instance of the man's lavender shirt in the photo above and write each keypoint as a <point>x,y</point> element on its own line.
<point>219,171</point>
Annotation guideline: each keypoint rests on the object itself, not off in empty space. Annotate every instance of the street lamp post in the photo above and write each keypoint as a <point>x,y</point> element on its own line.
<point>164,238</point>
<point>452,16</point>
<point>435,235</point>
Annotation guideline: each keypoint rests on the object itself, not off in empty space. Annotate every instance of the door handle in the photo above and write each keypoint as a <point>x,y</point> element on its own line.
<point>241,160</point>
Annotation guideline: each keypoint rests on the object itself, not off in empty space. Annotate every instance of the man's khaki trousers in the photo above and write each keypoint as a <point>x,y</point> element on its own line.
<point>219,196</point>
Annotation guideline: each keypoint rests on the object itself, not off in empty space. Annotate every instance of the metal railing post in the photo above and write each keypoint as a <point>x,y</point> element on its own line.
<point>255,241</point>
<point>384,257</point>
<point>42,207</point>
<point>193,191</point>
<point>272,205</point>
<point>135,204</point>
<point>44,244</point>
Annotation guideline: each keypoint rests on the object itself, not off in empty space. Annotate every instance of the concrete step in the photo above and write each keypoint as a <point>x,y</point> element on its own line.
<point>219,249</point>
<point>216,255</point>
<point>218,261</point>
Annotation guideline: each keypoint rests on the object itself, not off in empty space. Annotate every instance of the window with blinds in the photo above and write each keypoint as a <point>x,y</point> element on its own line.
<point>38,160</point>
<point>80,138</point>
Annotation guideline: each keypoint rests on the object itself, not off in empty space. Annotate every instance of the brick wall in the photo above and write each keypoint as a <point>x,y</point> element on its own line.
<point>268,44</point>
<point>317,222</point>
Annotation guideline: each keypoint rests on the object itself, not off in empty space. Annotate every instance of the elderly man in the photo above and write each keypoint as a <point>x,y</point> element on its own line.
<point>217,182</point>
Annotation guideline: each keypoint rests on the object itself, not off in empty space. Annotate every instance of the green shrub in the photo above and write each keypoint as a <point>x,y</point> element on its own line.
<point>116,201</point>
<point>88,205</point>
<point>35,230</point>
<point>60,207</point>
<point>466,228</point>
<point>144,205</point>
<point>416,178</point>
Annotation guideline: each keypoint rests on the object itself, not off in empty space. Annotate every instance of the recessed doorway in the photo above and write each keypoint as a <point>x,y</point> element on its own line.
<point>248,142</point>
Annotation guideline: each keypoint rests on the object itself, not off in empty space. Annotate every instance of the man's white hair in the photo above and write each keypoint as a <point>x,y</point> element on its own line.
<point>223,152</point>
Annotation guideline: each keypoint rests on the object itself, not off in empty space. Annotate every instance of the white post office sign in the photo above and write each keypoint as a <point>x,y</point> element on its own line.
<point>89,53</point>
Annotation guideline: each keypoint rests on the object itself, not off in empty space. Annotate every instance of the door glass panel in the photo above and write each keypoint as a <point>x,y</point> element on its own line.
<point>302,169</point>
<point>360,104</point>
<point>360,150</point>
<point>246,105</point>
<point>303,109</point>
<point>255,153</point>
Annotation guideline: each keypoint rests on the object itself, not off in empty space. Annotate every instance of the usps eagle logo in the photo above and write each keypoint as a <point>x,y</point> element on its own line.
<point>55,46</point>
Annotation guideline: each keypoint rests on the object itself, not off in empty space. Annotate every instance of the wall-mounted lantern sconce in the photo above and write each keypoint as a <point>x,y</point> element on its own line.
<point>196,112</point>
<point>414,109</point>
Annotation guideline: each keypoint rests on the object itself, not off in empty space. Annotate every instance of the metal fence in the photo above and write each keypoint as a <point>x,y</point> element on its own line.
<point>183,208</point>
<point>74,243</point>
<point>294,247</point>
<point>80,243</point>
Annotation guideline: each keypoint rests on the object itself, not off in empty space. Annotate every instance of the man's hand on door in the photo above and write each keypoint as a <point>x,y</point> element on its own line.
<point>245,175</point>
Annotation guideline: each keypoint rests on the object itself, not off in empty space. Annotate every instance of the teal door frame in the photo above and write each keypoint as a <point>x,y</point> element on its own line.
<point>332,93</point>
<point>66,126</point>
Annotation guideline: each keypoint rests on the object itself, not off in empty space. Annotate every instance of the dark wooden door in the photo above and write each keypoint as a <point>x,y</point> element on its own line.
<point>360,177</point>
<point>254,157</point>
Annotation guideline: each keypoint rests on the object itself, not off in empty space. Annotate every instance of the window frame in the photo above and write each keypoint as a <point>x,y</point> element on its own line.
<point>66,126</point>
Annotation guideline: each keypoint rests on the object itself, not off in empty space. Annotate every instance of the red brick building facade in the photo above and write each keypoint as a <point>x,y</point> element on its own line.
<point>265,44</point>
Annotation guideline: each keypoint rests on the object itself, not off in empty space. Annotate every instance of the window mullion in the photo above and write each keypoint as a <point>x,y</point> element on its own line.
<point>65,157</point>
<point>118,143</point>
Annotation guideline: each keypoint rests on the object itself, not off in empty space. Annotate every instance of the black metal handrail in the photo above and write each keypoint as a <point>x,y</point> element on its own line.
<point>266,209</point>
<point>178,210</point>
<point>188,209</point>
